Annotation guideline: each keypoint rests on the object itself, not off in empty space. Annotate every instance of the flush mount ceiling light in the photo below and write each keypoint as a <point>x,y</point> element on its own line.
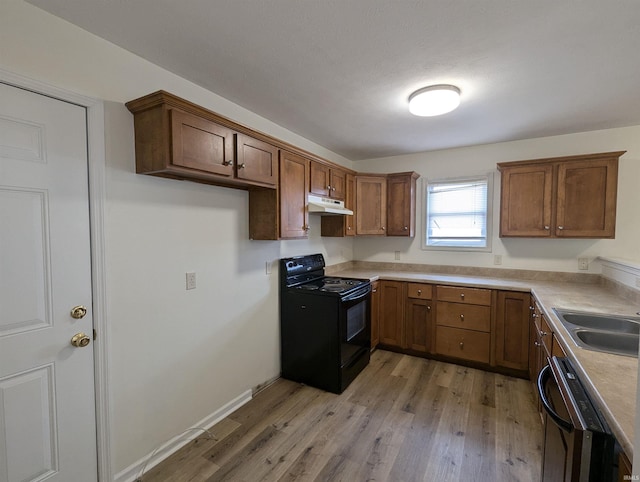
<point>434,100</point>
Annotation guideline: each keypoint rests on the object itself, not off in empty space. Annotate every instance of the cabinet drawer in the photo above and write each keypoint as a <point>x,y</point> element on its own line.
<point>545,334</point>
<point>419,290</point>
<point>460,315</point>
<point>456,294</point>
<point>466,344</point>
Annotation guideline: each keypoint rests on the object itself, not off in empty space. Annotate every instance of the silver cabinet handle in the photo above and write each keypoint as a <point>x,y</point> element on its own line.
<point>227,163</point>
<point>406,228</point>
<point>560,227</point>
<point>546,227</point>
<point>242,166</point>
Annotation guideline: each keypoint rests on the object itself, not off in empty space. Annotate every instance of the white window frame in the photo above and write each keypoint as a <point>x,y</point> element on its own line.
<point>425,199</point>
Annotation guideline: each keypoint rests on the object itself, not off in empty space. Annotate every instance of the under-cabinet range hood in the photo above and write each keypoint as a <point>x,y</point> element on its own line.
<point>323,205</point>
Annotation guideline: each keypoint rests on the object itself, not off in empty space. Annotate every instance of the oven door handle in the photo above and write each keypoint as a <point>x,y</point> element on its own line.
<point>362,293</point>
<point>543,377</point>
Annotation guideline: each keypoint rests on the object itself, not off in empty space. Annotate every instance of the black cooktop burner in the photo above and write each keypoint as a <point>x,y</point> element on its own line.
<point>333,285</point>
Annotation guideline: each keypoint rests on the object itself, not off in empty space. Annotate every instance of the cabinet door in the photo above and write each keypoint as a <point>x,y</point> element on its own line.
<point>587,199</point>
<point>294,179</point>
<point>375,314</point>
<point>418,325</point>
<point>391,312</point>
<point>371,205</point>
<point>401,205</point>
<point>350,203</point>
<point>256,161</point>
<point>320,180</point>
<point>200,144</point>
<point>526,200</point>
<point>624,468</point>
<point>338,184</point>
<point>512,330</point>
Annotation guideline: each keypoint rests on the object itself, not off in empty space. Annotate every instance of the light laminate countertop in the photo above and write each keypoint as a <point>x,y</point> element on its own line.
<point>610,379</point>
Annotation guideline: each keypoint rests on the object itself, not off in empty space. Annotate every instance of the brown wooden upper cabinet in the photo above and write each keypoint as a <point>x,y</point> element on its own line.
<point>326,181</point>
<point>256,160</point>
<point>177,139</point>
<point>343,225</point>
<point>371,205</point>
<point>294,179</point>
<point>401,204</point>
<point>561,197</point>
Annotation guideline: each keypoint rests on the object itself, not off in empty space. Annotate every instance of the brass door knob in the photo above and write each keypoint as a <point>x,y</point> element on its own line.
<point>78,312</point>
<point>80,340</point>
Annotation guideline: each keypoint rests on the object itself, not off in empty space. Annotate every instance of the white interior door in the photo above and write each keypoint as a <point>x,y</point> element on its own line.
<point>47,399</point>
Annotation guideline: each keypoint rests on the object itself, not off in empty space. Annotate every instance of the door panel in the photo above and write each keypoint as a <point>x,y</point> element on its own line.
<point>47,414</point>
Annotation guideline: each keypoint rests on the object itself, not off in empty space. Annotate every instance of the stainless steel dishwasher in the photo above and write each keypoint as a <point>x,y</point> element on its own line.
<point>578,445</point>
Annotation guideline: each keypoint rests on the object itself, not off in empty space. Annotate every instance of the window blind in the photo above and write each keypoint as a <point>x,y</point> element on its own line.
<point>457,213</point>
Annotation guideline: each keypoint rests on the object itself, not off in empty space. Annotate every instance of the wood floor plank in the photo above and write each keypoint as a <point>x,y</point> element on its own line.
<point>402,419</point>
<point>518,434</point>
<point>187,464</point>
<point>317,453</point>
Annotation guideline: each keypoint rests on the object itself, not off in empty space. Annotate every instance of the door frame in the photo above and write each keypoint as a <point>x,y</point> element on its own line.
<point>96,165</point>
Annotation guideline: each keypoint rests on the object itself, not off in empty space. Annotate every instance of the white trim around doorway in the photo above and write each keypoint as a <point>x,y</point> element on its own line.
<point>96,164</point>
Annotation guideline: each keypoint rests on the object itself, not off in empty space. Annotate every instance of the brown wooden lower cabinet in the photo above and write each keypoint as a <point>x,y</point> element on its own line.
<point>418,325</point>
<point>624,468</point>
<point>512,330</point>
<point>392,299</point>
<point>375,314</point>
<point>474,325</point>
<point>464,344</point>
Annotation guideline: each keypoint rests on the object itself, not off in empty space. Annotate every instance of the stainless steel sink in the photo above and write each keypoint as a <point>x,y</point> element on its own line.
<point>601,332</point>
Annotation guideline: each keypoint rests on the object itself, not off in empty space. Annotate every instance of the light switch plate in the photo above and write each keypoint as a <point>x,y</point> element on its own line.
<point>497,259</point>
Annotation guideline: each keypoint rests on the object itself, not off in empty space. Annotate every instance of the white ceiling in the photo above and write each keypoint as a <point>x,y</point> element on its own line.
<point>339,72</point>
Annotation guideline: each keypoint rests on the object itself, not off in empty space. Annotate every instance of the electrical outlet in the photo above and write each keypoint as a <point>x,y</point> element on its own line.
<point>497,259</point>
<point>191,281</point>
<point>397,255</point>
<point>267,267</point>
<point>583,263</point>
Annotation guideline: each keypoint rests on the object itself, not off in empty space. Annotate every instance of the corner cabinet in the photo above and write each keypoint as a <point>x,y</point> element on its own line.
<point>561,197</point>
<point>401,204</point>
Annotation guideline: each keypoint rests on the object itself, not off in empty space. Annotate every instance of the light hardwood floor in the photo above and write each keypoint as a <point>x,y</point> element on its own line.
<point>403,419</point>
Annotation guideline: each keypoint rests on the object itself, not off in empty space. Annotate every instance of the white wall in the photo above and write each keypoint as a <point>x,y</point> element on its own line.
<point>539,254</point>
<point>176,355</point>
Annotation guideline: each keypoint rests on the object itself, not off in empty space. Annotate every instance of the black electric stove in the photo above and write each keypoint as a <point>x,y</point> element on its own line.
<point>325,326</point>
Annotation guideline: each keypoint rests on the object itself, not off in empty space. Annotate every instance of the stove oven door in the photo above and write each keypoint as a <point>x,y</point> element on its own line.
<point>355,325</point>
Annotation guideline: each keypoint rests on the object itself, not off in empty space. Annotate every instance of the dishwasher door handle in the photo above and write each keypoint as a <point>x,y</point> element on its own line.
<point>543,377</point>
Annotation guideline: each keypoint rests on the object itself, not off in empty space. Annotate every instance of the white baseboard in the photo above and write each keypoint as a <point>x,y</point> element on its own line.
<point>171,446</point>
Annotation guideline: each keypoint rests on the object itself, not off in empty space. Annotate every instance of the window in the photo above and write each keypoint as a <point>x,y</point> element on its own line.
<point>458,214</point>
